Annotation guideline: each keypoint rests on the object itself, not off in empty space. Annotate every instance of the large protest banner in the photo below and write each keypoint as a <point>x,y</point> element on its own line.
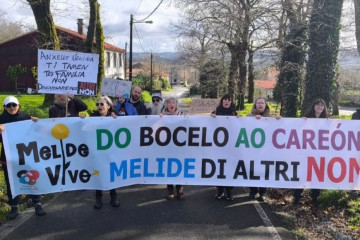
<point>62,72</point>
<point>54,155</point>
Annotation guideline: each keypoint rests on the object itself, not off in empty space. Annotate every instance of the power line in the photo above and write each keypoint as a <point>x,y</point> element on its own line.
<point>139,39</point>
<point>151,12</point>
<point>139,6</point>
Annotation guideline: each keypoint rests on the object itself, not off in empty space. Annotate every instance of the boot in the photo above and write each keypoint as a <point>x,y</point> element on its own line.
<point>170,195</point>
<point>39,210</point>
<point>114,202</point>
<point>180,193</point>
<point>13,213</point>
<point>98,203</point>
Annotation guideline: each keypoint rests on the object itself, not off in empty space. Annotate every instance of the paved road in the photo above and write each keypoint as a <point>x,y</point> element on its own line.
<point>146,214</point>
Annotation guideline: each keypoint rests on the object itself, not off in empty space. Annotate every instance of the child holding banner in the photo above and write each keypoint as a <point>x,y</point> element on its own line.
<point>316,110</point>
<point>226,107</point>
<point>12,114</point>
<point>259,109</point>
<point>171,108</point>
<point>74,106</point>
<point>104,109</point>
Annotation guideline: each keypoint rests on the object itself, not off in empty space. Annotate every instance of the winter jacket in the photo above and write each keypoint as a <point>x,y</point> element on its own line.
<point>9,118</point>
<point>177,112</point>
<point>221,111</point>
<point>74,107</point>
<point>140,107</point>
<point>97,114</point>
<point>129,108</point>
<point>356,115</point>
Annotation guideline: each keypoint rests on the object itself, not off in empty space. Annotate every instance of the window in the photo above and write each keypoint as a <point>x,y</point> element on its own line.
<point>114,55</point>
<point>120,60</point>
<point>107,59</point>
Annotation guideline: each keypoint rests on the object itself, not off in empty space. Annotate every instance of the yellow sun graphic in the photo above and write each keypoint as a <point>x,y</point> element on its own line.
<point>60,131</point>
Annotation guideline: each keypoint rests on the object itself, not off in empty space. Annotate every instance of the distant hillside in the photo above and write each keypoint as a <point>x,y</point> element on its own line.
<point>163,56</point>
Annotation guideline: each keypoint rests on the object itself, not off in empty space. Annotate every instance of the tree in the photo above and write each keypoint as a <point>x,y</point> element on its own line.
<point>8,30</point>
<point>48,38</point>
<point>357,23</point>
<point>293,53</point>
<point>99,47</point>
<point>212,78</point>
<point>323,41</point>
<point>14,72</point>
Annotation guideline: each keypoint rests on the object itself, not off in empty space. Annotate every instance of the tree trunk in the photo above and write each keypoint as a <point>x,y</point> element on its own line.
<point>99,47</point>
<point>233,70</point>
<point>251,88</point>
<point>357,23</point>
<point>323,49</point>
<point>292,61</point>
<point>242,75</point>
<point>48,38</point>
<point>89,42</point>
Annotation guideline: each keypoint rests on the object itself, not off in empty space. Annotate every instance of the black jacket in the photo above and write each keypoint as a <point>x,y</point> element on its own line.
<point>356,115</point>
<point>97,114</point>
<point>9,118</point>
<point>221,111</point>
<point>74,107</point>
<point>140,107</point>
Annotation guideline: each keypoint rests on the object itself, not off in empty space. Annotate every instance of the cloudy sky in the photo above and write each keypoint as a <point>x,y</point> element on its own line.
<point>115,19</point>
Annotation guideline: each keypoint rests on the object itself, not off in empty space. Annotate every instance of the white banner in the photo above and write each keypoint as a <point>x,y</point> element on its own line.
<point>54,155</point>
<point>115,88</point>
<point>61,72</point>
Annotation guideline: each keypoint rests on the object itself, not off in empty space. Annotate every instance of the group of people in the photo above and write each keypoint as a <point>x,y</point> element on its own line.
<point>70,106</point>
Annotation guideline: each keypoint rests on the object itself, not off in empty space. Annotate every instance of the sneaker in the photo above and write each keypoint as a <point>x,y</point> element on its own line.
<point>229,196</point>
<point>13,213</point>
<point>220,194</point>
<point>114,202</point>
<point>98,204</point>
<point>251,197</point>
<point>39,210</point>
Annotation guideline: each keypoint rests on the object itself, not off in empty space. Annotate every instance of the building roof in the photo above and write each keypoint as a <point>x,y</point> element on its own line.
<point>107,46</point>
<point>266,84</point>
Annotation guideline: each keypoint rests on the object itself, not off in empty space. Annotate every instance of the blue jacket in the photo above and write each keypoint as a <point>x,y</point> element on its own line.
<point>129,108</point>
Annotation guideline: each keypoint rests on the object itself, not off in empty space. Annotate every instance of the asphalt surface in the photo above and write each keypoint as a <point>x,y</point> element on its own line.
<point>144,213</point>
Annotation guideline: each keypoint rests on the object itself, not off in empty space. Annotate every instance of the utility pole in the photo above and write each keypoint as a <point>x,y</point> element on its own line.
<point>131,40</point>
<point>151,73</point>
<point>125,60</point>
<point>130,56</point>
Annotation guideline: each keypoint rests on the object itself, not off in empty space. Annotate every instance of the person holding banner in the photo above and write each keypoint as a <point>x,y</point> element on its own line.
<point>124,108</point>
<point>226,107</point>
<point>259,109</point>
<point>104,109</point>
<point>317,109</point>
<point>171,109</point>
<point>74,106</point>
<point>135,100</point>
<point>11,114</point>
<point>157,104</point>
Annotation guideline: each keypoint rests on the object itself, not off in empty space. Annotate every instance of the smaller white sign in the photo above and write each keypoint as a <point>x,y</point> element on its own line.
<point>62,72</point>
<point>115,88</point>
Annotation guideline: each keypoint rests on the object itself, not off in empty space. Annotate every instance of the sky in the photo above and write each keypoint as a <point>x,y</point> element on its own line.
<point>115,16</point>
